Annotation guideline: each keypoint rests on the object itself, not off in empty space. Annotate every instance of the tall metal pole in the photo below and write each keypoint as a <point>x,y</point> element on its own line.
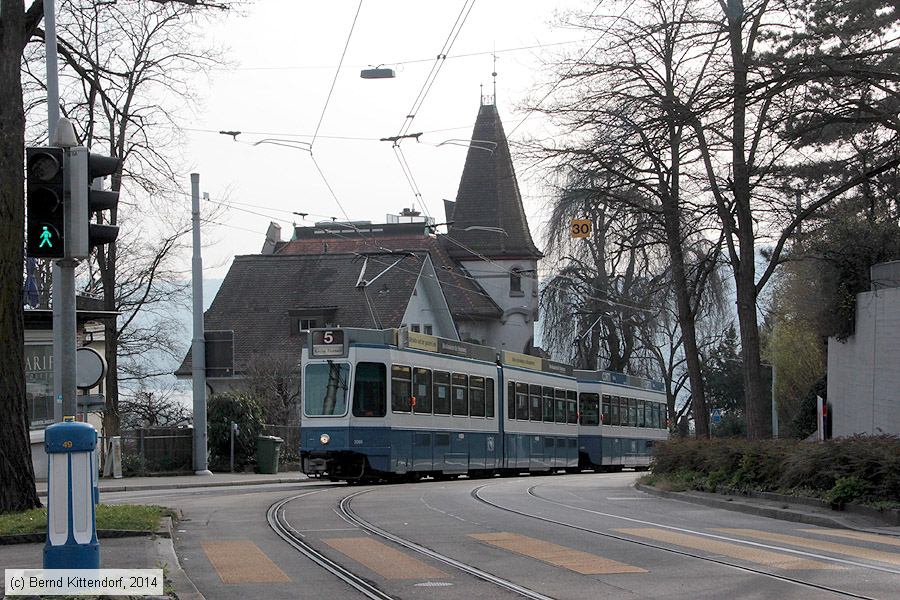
<point>57,284</point>
<point>198,349</point>
<point>52,69</point>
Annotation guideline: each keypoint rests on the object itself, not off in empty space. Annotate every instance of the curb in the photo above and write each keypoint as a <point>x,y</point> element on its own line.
<point>184,486</point>
<point>40,538</point>
<point>165,548</point>
<point>782,514</point>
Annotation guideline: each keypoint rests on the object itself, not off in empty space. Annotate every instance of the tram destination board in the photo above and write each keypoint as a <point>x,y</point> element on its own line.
<point>328,343</point>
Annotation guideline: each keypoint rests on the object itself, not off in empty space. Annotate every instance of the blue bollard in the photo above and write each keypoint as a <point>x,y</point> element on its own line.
<point>71,518</point>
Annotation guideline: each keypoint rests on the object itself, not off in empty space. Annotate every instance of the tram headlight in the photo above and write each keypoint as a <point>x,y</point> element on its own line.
<point>324,438</point>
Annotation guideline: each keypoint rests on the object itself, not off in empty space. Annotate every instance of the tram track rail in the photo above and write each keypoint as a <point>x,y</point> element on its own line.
<point>777,576</point>
<point>348,513</point>
<point>278,522</point>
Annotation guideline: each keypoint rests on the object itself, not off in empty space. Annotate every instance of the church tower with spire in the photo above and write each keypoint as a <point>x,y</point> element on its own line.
<point>489,236</point>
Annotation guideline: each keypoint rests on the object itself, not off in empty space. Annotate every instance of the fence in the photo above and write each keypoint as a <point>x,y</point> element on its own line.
<point>158,450</point>
<point>154,450</point>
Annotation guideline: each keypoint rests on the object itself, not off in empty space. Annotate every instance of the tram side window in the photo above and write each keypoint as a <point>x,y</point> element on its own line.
<point>460,394</point>
<point>572,407</point>
<point>441,393</point>
<point>632,412</point>
<point>476,396</point>
<point>370,390</point>
<point>511,400</point>
<point>401,388</point>
<point>640,414</point>
<point>605,418</point>
<point>522,401</point>
<point>422,390</point>
<point>589,409</point>
<point>654,415</point>
<point>326,387</point>
<point>648,414</point>
<point>548,404</point>
<point>614,408</point>
<point>534,393</point>
<point>560,406</point>
<point>489,397</point>
<point>560,402</point>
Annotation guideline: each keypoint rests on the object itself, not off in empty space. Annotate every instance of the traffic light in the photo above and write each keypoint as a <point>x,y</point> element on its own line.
<point>85,167</point>
<point>46,183</point>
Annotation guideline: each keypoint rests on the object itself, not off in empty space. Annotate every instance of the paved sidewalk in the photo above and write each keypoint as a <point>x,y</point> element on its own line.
<point>131,484</point>
<point>781,509</point>
<point>147,552</point>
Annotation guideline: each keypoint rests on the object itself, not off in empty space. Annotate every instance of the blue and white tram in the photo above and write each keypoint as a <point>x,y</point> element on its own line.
<point>401,405</point>
<point>621,418</point>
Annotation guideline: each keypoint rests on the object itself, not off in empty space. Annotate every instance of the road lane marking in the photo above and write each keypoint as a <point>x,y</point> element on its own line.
<point>384,560</point>
<point>717,547</point>
<point>554,554</point>
<point>241,561</point>
<point>866,553</point>
<point>857,535</point>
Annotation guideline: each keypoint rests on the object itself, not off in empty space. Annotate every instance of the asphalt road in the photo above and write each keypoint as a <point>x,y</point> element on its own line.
<point>566,536</point>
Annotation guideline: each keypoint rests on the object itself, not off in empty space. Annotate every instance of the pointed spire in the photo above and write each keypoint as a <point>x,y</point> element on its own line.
<point>488,216</point>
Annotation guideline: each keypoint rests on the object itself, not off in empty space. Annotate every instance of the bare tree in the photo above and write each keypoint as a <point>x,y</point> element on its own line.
<point>153,408</point>
<point>275,385</point>
<point>16,472</point>
<point>126,77</point>
<point>621,104</point>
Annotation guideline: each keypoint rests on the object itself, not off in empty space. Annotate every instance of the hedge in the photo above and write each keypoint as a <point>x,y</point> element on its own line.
<point>862,469</point>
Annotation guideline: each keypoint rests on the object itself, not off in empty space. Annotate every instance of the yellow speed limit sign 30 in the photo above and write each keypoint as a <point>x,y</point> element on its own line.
<point>581,228</point>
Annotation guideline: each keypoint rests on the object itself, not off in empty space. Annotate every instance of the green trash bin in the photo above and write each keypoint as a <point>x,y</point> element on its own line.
<point>268,450</point>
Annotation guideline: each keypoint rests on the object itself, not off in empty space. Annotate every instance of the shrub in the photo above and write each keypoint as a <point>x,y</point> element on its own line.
<point>243,410</point>
<point>854,469</point>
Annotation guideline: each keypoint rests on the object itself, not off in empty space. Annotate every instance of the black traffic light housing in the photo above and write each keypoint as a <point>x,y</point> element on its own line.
<point>85,168</point>
<point>46,202</point>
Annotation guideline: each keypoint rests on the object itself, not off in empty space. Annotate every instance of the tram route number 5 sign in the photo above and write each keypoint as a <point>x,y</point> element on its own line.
<point>327,343</point>
<point>580,228</point>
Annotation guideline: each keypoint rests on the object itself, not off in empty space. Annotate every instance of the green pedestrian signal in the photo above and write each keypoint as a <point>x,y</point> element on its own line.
<point>45,238</point>
<point>46,197</point>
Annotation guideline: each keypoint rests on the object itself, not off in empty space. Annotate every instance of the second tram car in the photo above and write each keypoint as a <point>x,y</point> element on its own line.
<point>399,405</point>
<point>621,418</point>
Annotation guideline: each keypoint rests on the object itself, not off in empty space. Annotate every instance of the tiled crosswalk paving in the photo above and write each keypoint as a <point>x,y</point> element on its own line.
<point>554,554</point>
<point>242,561</point>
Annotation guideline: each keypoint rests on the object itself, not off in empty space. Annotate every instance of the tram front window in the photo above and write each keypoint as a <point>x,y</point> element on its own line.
<point>370,390</point>
<point>325,389</point>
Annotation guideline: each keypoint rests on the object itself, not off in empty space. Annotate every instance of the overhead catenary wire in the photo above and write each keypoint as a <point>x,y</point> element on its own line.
<point>336,73</point>
<point>411,61</point>
<point>369,242</point>
<point>575,64</point>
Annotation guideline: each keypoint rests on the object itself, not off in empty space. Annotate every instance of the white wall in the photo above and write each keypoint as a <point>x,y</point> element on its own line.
<point>428,306</point>
<point>864,371</point>
<point>515,331</point>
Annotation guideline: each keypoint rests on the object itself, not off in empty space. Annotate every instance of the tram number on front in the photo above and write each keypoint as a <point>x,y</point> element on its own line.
<point>581,228</point>
<point>327,343</point>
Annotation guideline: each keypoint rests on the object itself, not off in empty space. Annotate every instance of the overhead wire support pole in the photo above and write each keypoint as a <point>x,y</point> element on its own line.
<point>198,345</point>
<point>57,282</point>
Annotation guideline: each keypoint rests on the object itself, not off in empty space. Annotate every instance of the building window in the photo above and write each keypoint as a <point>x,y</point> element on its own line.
<point>515,282</point>
<point>427,329</point>
<point>415,328</point>
<point>307,323</point>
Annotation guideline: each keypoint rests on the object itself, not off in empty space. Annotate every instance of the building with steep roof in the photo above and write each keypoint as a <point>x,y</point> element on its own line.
<point>267,300</point>
<point>477,282</point>
<point>489,237</point>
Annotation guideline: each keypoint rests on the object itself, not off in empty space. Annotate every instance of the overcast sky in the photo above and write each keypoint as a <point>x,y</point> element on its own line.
<point>285,54</point>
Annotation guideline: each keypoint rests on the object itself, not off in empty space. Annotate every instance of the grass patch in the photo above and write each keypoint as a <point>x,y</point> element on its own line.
<point>131,517</point>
